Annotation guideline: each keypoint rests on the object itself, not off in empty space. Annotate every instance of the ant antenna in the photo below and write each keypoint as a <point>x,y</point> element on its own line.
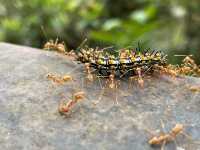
<point>43,31</point>
<point>130,47</point>
<point>82,43</point>
<point>139,46</point>
<point>56,42</point>
<point>182,55</point>
<point>109,47</point>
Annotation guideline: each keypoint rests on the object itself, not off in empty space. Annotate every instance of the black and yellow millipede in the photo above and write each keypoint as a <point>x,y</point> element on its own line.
<point>127,60</point>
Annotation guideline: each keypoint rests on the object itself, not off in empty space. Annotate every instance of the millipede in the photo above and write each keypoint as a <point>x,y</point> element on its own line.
<point>127,61</point>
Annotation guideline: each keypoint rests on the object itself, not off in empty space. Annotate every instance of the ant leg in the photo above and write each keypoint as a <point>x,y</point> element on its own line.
<point>100,82</point>
<point>175,143</point>
<point>140,79</point>
<point>162,125</point>
<point>56,42</point>
<point>83,81</point>
<point>186,135</point>
<point>150,132</point>
<point>116,96</point>
<point>163,145</point>
<point>100,96</point>
<point>125,73</point>
<point>141,82</point>
<point>70,72</point>
<point>117,91</point>
<point>131,82</point>
<point>190,138</point>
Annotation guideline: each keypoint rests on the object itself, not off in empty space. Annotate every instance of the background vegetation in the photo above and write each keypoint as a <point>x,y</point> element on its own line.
<point>168,25</point>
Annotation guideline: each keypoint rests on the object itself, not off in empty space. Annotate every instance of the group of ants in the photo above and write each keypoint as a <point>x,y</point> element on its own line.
<point>188,67</point>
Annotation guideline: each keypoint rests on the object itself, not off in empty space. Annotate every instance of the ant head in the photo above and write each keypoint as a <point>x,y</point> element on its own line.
<point>49,75</point>
<point>47,43</point>
<point>177,129</point>
<point>50,41</point>
<point>87,65</point>
<point>138,69</point>
<point>111,76</point>
<point>154,140</point>
<point>79,95</point>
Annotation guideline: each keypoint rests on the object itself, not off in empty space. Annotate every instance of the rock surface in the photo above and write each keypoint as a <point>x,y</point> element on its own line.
<point>28,107</point>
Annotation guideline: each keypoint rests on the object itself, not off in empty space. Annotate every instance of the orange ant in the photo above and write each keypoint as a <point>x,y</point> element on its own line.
<point>65,107</point>
<point>138,78</point>
<point>165,138</point>
<point>51,45</point>
<point>111,84</point>
<point>89,76</point>
<point>190,63</point>
<point>195,88</point>
<point>60,80</point>
<point>189,67</point>
<point>55,78</point>
<point>71,54</point>
<point>169,70</point>
<point>189,60</point>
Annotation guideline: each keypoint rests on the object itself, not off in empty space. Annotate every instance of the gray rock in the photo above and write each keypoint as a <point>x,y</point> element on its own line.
<point>28,107</point>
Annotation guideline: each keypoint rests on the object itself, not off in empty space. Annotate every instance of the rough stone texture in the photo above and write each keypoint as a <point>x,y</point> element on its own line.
<point>28,107</point>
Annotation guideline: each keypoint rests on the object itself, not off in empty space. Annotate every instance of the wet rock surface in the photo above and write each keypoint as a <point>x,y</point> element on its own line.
<point>28,107</point>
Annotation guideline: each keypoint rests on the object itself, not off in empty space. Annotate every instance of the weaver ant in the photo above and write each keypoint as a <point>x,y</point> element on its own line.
<point>111,85</point>
<point>169,70</point>
<point>59,80</point>
<point>164,138</point>
<point>140,80</point>
<point>66,106</point>
<point>51,45</point>
<point>194,88</point>
<point>189,67</point>
<point>89,76</point>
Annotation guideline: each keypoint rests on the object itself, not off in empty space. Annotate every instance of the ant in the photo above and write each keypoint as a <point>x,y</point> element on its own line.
<point>189,67</point>
<point>171,70</point>
<point>55,78</point>
<point>60,80</point>
<point>71,54</point>
<point>139,78</point>
<point>111,84</point>
<point>165,138</point>
<point>89,76</point>
<point>65,107</point>
<point>195,88</point>
<point>51,45</point>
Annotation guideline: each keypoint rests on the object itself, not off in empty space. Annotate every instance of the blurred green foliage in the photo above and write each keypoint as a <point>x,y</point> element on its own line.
<point>168,25</point>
